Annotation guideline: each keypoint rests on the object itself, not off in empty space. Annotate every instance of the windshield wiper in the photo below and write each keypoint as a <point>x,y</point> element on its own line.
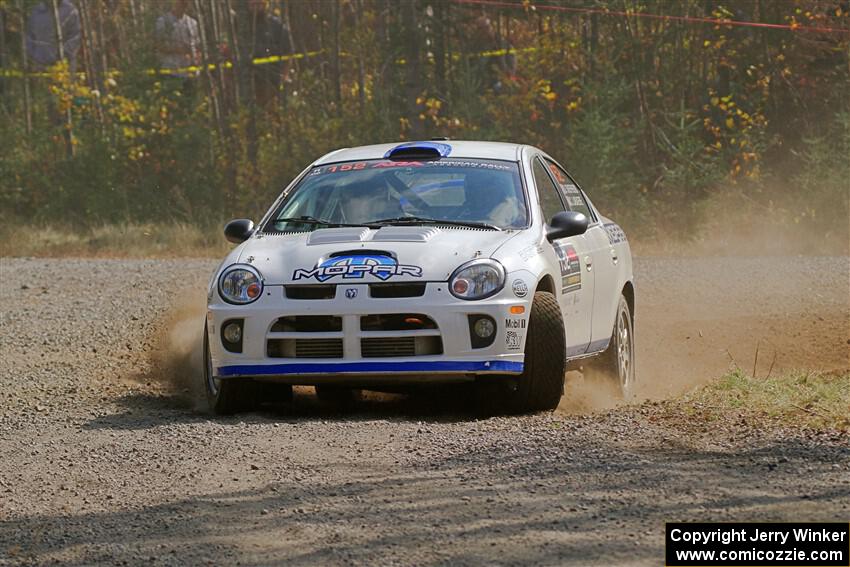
<point>422,220</point>
<point>313,220</point>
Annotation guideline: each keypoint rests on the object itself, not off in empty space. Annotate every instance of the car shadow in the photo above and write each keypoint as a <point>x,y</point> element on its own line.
<point>149,409</point>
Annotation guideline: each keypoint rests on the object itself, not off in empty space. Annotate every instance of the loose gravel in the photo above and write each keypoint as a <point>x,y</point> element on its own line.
<point>104,461</point>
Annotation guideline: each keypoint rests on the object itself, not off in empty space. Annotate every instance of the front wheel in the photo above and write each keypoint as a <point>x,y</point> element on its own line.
<point>541,384</point>
<point>225,397</point>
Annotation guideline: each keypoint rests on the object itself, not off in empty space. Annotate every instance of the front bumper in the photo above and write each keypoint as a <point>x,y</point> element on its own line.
<point>458,361</point>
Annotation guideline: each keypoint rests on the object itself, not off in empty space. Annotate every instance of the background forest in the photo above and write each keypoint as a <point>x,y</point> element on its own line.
<point>677,126</point>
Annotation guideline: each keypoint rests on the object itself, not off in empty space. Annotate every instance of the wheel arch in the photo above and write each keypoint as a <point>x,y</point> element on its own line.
<point>546,283</point>
<point>629,294</point>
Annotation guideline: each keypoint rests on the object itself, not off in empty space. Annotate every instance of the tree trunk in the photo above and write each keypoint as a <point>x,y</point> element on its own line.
<point>361,73</point>
<point>25,68</point>
<point>244,76</point>
<point>3,56</point>
<point>440,48</point>
<point>88,49</point>
<point>413,82</point>
<point>234,50</point>
<point>335,67</point>
<point>68,133</point>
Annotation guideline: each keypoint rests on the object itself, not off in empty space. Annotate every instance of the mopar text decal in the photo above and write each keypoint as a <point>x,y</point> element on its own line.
<point>351,267</point>
<point>570,268</point>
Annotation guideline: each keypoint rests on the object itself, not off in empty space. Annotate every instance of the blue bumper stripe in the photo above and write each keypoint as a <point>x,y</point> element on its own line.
<point>369,367</point>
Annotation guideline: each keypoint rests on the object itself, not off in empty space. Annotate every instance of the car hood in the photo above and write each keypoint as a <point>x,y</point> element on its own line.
<point>353,255</point>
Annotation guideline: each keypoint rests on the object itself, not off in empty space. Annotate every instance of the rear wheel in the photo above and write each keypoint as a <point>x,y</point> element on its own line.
<point>226,397</point>
<point>616,365</point>
<point>541,384</point>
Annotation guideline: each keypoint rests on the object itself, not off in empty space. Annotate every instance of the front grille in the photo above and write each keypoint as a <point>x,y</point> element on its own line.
<point>307,324</point>
<point>304,348</point>
<point>384,347</point>
<point>396,322</point>
<point>310,291</point>
<point>396,290</point>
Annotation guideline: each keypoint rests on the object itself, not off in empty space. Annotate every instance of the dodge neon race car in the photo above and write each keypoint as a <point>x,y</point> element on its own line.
<point>383,266</point>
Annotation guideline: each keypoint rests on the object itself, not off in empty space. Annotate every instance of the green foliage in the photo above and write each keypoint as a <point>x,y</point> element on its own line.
<point>812,399</point>
<point>603,154</point>
<point>820,199</point>
<point>663,123</point>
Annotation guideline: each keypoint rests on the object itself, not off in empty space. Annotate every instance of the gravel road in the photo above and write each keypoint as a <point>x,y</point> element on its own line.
<point>101,462</point>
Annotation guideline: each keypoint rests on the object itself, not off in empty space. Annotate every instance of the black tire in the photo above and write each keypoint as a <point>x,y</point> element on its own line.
<point>541,384</point>
<point>338,395</point>
<point>226,397</point>
<point>616,366</point>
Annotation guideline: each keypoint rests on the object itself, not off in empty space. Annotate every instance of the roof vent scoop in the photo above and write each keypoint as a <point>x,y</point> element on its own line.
<point>419,150</point>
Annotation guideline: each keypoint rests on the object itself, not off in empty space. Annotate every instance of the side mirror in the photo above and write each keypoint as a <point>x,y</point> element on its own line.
<point>566,224</point>
<point>239,230</point>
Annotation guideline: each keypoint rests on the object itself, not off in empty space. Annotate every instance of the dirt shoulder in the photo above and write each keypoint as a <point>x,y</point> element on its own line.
<point>100,463</point>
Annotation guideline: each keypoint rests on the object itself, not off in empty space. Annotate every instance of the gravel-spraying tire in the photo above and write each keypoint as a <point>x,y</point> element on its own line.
<point>226,397</point>
<point>541,384</point>
<point>616,366</point>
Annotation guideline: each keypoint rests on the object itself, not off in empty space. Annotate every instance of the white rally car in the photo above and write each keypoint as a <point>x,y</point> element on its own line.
<point>443,261</point>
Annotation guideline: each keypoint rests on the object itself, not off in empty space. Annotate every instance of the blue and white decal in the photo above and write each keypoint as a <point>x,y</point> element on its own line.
<point>354,266</point>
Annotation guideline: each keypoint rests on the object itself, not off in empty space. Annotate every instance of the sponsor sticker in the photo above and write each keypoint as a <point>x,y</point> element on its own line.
<point>575,201</point>
<point>570,265</point>
<point>520,288</point>
<point>512,340</point>
<point>515,323</point>
<point>530,252</point>
<point>615,233</point>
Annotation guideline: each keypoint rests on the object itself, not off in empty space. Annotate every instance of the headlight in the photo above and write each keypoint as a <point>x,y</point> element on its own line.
<point>240,284</point>
<point>477,279</point>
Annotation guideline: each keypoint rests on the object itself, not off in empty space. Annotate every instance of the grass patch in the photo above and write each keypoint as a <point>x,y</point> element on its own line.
<point>816,400</point>
<point>114,240</point>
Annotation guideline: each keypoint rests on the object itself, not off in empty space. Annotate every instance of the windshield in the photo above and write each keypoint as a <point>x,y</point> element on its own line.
<point>466,192</point>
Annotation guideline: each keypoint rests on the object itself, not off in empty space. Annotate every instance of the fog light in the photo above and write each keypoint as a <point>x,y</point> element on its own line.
<point>233,333</point>
<point>484,327</point>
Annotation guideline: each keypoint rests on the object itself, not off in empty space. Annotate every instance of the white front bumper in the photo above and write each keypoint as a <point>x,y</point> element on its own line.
<point>459,359</point>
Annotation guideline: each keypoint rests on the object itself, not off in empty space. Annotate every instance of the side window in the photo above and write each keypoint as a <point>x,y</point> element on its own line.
<point>550,202</point>
<point>572,194</point>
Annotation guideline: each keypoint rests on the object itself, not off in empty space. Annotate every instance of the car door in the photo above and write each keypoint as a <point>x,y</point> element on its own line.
<point>604,259</point>
<point>575,288</point>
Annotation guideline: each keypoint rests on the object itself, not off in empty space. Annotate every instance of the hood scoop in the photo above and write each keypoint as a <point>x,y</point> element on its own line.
<point>337,235</point>
<point>406,234</point>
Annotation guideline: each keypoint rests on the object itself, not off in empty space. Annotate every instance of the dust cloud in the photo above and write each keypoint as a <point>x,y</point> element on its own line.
<point>176,359</point>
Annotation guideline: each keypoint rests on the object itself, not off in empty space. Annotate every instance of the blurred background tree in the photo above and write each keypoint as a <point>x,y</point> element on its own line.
<point>668,122</point>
